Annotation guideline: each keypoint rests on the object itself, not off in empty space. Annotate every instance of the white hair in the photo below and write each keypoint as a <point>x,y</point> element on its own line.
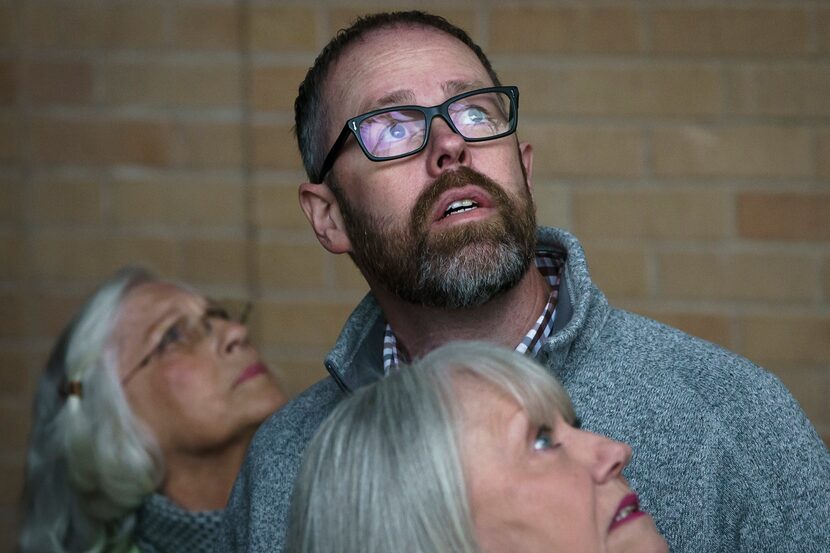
<point>384,471</point>
<point>90,462</point>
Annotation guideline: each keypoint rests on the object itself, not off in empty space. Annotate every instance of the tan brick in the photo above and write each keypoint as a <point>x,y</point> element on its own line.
<point>342,17</point>
<point>214,261</point>
<point>54,311</point>
<point>619,271</point>
<point>825,279</point>
<point>69,258</point>
<point>783,91</point>
<point>8,34</point>
<point>619,90</point>
<point>8,83</point>
<point>713,328</point>
<point>15,422</point>
<point>784,216</point>
<point>824,154</point>
<point>12,261</point>
<point>11,200</point>
<point>654,214</point>
<point>304,324</point>
<point>748,277</point>
<point>811,387</point>
<point>207,26</point>
<point>10,531</point>
<point>274,88</point>
<point>66,200</point>
<point>787,339</point>
<point>298,266</point>
<point>14,374</point>
<point>297,375</point>
<point>59,82</point>
<point>552,205</point>
<point>745,151</point>
<point>584,150</point>
<point>566,29</point>
<point>277,206</point>
<point>753,31</point>
<point>182,200</point>
<point>171,84</point>
<point>281,28</point>
<point>346,274</point>
<point>11,129</point>
<point>275,147</point>
<point>12,325</point>
<point>86,24</point>
<point>11,483</point>
<point>98,141</point>
<point>823,27</point>
<point>207,144</point>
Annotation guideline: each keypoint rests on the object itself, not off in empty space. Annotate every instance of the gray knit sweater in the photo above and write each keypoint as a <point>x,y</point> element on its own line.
<point>724,458</point>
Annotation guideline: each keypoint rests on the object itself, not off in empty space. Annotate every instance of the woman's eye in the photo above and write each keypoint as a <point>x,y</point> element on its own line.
<point>171,336</point>
<point>544,439</point>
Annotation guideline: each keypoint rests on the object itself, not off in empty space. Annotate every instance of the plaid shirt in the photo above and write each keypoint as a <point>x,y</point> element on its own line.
<point>547,264</point>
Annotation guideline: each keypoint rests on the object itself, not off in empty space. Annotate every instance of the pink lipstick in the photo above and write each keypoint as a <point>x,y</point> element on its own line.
<point>251,371</point>
<point>628,510</point>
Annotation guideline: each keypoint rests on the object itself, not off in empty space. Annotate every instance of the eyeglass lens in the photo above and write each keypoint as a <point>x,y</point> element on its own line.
<point>399,132</point>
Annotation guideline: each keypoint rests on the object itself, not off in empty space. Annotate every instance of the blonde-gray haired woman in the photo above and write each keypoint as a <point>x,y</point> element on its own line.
<point>141,421</point>
<point>471,449</point>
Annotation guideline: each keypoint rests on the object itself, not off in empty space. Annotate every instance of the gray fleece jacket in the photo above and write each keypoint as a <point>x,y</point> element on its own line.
<point>724,458</point>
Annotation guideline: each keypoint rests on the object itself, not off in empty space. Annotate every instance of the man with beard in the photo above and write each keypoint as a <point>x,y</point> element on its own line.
<point>415,171</point>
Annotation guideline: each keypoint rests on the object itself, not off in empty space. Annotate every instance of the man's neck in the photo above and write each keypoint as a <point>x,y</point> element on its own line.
<point>503,320</point>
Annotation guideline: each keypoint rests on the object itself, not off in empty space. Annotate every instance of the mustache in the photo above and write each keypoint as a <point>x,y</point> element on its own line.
<point>463,176</point>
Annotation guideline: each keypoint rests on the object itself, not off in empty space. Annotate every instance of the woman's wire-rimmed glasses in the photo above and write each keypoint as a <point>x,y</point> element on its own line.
<point>186,331</point>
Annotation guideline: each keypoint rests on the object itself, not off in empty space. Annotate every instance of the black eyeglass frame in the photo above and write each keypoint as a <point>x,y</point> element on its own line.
<point>441,110</point>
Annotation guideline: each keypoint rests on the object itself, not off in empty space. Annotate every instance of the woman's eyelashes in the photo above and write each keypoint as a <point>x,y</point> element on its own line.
<point>544,439</point>
<point>173,335</point>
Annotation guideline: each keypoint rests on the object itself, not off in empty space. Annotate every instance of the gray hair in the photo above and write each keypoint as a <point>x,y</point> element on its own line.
<point>384,471</point>
<point>90,462</point>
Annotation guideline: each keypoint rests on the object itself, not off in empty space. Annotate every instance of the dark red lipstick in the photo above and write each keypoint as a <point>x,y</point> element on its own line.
<point>251,371</point>
<point>628,510</point>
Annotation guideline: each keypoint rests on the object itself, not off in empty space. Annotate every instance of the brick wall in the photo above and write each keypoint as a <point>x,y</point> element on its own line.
<point>686,143</point>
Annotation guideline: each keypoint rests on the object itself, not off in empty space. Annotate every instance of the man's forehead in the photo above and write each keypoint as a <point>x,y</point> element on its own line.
<point>407,95</point>
<point>388,67</point>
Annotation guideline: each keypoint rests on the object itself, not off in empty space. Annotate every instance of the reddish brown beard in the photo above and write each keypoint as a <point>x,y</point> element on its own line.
<point>462,266</point>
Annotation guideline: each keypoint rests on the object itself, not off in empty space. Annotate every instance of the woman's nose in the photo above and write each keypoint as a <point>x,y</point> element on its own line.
<point>232,334</point>
<point>606,457</point>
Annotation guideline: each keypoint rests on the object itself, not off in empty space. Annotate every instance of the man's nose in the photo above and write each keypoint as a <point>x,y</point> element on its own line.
<point>447,150</point>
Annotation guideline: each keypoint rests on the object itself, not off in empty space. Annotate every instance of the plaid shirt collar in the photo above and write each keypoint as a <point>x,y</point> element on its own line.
<point>550,266</point>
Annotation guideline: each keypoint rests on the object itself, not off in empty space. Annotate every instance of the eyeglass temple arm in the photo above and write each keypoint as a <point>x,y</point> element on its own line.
<point>335,151</point>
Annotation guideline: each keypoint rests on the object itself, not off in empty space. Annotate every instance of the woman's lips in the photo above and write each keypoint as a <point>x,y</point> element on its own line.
<point>251,371</point>
<point>628,510</point>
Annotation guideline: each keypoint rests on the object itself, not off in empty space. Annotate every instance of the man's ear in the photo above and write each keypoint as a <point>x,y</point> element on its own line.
<point>321,210</point>
<point>526,159</point>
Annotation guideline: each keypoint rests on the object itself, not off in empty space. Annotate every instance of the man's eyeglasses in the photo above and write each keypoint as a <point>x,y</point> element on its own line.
<point>400,131</point>
<point>189,330</point>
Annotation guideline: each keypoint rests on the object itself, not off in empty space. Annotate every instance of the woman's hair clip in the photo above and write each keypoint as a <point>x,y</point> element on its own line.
<point>71,388</point>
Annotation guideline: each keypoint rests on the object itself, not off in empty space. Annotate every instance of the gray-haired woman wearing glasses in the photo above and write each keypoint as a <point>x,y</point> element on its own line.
<point>141,421</point>
<point>471,449</point>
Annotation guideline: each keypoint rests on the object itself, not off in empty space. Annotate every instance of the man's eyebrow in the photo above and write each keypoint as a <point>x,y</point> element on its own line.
<point>451,88</point>
<point>394,98</point>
